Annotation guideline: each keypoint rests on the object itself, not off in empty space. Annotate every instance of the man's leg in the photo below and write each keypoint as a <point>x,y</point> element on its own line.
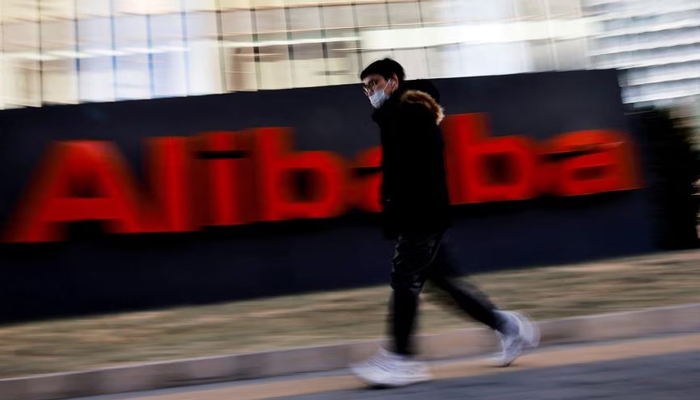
<point>516,332</point>
<point>414,255</point>
<point>453,290</point>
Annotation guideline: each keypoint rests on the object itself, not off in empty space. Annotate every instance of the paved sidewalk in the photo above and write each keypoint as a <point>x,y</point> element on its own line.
<point>658,368</point>
<point>674,376</point>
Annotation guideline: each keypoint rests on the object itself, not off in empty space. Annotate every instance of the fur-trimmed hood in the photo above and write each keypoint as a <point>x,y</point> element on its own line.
<point>426,100</point>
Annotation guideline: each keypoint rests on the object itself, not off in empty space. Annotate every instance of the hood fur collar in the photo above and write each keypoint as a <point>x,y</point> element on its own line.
<point>426,100</point>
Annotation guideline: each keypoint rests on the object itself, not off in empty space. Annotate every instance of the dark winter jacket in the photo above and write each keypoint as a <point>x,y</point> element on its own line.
<point>414,187</point>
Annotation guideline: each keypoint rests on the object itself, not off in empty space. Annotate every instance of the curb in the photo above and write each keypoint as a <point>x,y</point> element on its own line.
<point>468,342</point>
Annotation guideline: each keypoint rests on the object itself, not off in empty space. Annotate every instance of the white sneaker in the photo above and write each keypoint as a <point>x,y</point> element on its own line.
<point>391,370</point>
<point>521,334</point>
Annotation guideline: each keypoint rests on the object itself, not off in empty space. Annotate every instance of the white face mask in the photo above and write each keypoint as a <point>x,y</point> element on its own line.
<point>379,97</point>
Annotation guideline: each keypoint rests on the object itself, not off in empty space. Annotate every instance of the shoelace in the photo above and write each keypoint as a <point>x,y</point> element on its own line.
<point>381,362</point>
<point>388,365</point>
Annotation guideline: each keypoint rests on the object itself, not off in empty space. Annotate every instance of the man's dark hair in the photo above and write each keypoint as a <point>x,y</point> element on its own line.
<point>386,68</point>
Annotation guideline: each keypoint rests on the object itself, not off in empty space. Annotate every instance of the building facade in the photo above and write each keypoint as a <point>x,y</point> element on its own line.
<point>75,51</point>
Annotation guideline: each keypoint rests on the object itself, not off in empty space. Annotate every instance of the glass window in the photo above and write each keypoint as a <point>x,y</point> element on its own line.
<point>204,56</point>
<point>200,5</point>
<point>482,11</point>
<point>402,14</point>
<point>493,59</point>
<point>338,17</point>
<point>22,81</point>
<point>2,83</point>
<point>58,9</point>
<point>60,81</point>
<point>59,70</point>
<point>434,12</point>
<point>343,62</point>
<point>95,64</point>
<point>542,55</point>
<point>133,57</point>
<point>309,65</point>
<point>2,67</point>
<point>241,71</point>
<point>308,19</point>
<point>275,66</point>
<point>271,21</point>
<point>22,63</point>
<point>238,22</point>
<point>146,6</point>
<point>445,61</point>
<point>238,4</point>
<point>21,37</point>
<point>530,9</point>
<point>169,61</point>
<point>571,54</point>
<point>20,10</point>
<point>372,16</point>
<point>87,8</point>
<point>564,8</point>
<point>261,4</point>
<point>414,62</point>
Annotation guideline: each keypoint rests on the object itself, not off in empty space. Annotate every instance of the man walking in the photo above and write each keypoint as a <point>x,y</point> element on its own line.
<point>416,216</point>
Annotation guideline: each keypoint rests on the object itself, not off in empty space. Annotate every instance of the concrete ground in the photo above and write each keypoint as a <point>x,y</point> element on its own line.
<point>646,369</point>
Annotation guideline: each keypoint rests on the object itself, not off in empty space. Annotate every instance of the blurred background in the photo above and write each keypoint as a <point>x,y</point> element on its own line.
<point>76,51</point>
<point>287,285</point>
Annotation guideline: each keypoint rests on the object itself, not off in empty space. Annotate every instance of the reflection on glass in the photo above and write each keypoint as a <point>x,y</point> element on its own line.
<point>69,51</point>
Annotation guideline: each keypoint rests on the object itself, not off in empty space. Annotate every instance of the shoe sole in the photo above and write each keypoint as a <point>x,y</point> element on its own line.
<point>377,384</point>
<point>530,335</point>
<point>503,363</point>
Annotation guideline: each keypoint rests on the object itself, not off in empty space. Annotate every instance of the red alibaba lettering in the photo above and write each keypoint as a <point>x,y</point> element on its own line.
<point>609,166</point>
<point>80,181</point>
<point>280,198</point>
<point>170,171</point>
<point>366,186</point>
<point>482,169</point>
<point>227,178</point>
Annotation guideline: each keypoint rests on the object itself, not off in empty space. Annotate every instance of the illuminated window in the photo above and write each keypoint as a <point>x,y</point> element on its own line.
<point>204,55</point>
<point>133,57</point>
<point>239,51</point>
<point>200,5</point>
<point>92,8</point>
<point>69,51</point>
<point>57,9</point>
<point>22,63</point>
<point>170,72</point>
<point>96,60</point>
<point>59,81</point>
<point>20,11</point>
<point>342,44</point>
<point>273,49</point>
<point>310,57</point>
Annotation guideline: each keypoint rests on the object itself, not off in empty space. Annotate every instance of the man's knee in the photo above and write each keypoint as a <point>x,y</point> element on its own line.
<point>412,283</point>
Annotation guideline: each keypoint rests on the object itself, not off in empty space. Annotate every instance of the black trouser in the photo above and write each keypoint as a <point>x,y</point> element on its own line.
<point>429,256</point>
